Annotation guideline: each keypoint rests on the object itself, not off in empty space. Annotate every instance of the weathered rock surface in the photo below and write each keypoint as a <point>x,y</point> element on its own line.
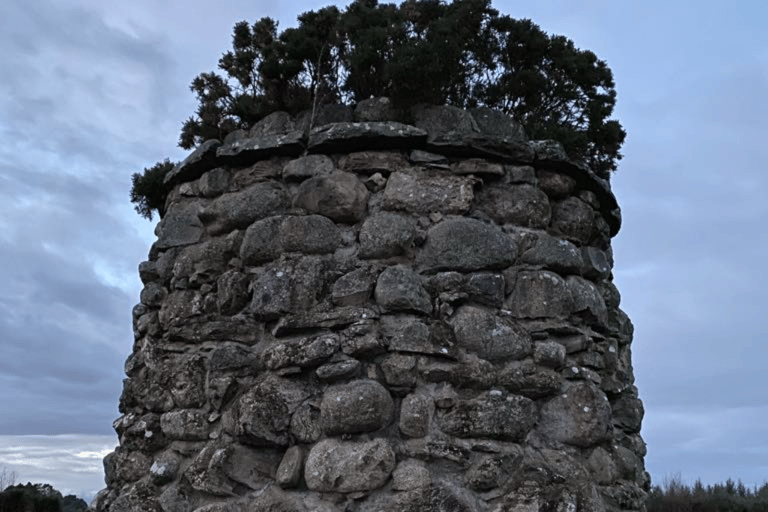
<point>342,466</point>
<point>406,318</point>
<point>467,244</point>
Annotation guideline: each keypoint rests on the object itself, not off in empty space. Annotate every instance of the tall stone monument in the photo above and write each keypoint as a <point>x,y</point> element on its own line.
<point>355,314</point>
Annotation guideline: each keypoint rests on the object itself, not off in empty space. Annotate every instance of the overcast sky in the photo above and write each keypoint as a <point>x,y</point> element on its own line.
<point>92,91</point>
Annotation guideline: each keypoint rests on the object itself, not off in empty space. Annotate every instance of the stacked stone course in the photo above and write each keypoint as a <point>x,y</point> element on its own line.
<point>356,314</point>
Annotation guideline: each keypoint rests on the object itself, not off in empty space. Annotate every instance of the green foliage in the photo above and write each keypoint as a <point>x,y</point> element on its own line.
<point>147,190</point>
<point>30,497</point>
<point>675,496</point>
<point>462,53</point>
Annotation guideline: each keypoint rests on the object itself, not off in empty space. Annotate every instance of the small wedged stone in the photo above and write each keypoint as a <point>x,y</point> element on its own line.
<point>415,415</point>
<point>289,471</point>
<point>478,166</point>
<point>587,300</point>
<point>414,191</point>
<point>595,264</point>
<point>340,370</point>
<point>466,244</point>
<point>340,196</point>
<point>345,466</point>
<point>363,135</point>
<point>358,406</point>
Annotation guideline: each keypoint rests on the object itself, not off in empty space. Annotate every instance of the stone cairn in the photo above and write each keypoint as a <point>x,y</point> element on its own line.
<point>366,315</point>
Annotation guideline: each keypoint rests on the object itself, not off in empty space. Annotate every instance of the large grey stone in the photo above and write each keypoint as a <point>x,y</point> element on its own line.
<point>264,412</point>
<point>340,196</point>
<point>343,466</point>
<point>488,335</point>
<point>539,294</point>
<point>370,162</point>
<point>275,134</point>
<point>581,416</point>
<point>587,300</point>
<point>407,333</point>
<point>307,167</point>
<point>494,415</point>
<point>180,226</point>
<point>574,219</point>
<point>309,234</point>
<point>399,370</point>
<point>353,288</point>
<point>466,244</point>
<point>238,210</point>
<point>399,288</point>
<point>288,287</point>
<point>529,379</point>
<point>386,234</point>
<point>214,182</point>
<point>273,124</point>
<point>428,192</point>
<point>497,125</point>
<point>522,205</point>
<point>199,161</point>
<point>303,352</point>
<point>415,415</point>
<point>375,109</point>
<point>358,406</point>
<point>454,130</point>
<point>185,424</point>
<point>357,136</point>
<point>553,254</point>
<point>261,242</point>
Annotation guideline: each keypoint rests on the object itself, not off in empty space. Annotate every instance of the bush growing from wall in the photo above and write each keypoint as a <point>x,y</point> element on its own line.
<point>463,53</point>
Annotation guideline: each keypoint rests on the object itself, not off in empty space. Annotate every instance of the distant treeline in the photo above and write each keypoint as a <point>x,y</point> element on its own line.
<point>38,498</point>
<point>675,496</point>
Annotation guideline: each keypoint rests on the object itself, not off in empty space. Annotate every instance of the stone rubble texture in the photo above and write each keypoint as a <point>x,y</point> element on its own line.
<point>370,316</point>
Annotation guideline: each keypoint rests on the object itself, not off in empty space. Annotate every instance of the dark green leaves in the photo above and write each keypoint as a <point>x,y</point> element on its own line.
<point>147,191</point>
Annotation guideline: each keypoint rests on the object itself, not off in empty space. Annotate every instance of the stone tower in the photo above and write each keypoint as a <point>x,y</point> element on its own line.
<point>365,315</point>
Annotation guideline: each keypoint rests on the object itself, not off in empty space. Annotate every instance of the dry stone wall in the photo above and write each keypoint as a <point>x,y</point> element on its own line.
<point>374,316</point>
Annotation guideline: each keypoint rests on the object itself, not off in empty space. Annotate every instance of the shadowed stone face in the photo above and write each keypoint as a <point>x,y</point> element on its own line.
<point>405,319</point>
